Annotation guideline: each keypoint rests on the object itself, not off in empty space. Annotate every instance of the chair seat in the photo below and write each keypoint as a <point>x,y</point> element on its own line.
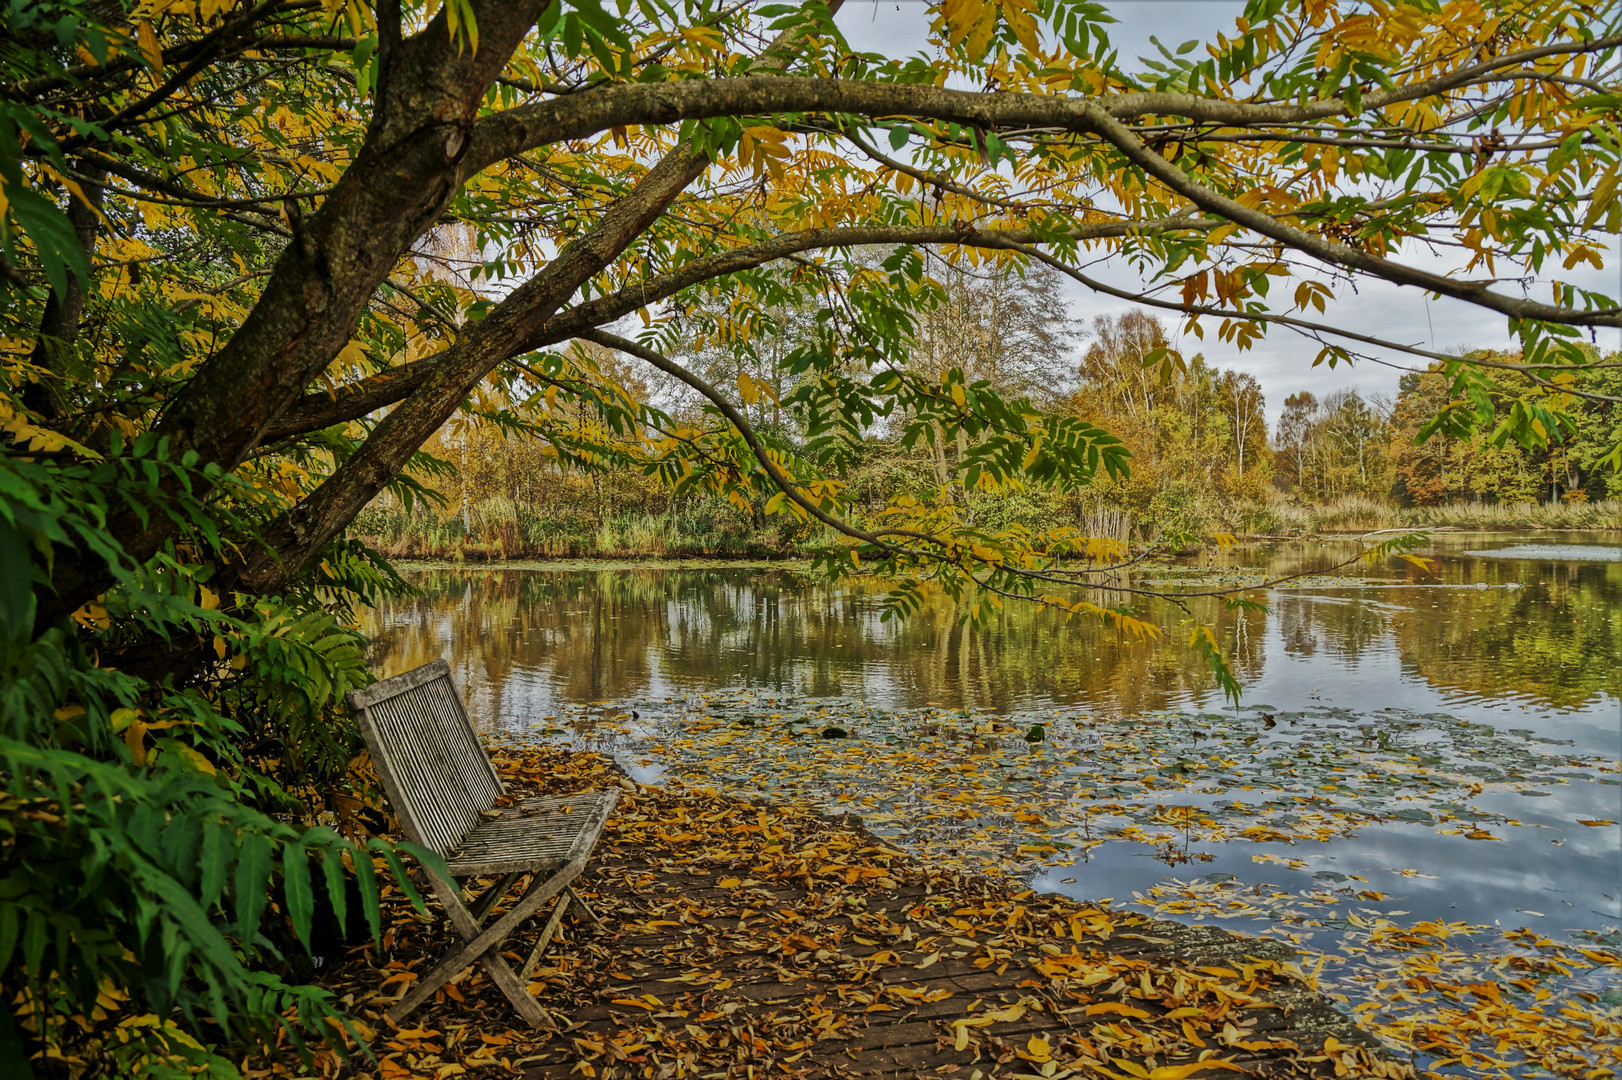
<point>536,835</point>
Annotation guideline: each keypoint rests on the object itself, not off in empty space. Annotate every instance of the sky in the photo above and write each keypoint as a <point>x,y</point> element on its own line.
<point>1282,362</point>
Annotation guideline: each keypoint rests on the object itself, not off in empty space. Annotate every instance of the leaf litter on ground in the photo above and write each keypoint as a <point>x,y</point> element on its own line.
<point>754,938</point>
<point>1023,792</point>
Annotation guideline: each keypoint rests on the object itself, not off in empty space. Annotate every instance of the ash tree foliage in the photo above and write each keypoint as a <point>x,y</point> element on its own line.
<point>256,253</point>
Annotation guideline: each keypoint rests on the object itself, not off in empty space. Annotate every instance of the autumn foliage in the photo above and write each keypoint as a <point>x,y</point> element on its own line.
<point>255,256</point>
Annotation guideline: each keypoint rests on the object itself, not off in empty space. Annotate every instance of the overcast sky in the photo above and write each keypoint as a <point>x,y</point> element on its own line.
<point>1282,362</point>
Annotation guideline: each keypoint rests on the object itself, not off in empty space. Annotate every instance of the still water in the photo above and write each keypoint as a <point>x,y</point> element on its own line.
<point>1519,628</point>
<point>1434,748</point>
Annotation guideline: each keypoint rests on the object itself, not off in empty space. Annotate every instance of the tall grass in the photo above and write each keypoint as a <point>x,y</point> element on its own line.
<point>500,528</point>
<point>1362,514</point>
<point>1605,514</point>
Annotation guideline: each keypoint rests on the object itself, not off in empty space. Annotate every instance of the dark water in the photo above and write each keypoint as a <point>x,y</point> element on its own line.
<point>1422,748</point>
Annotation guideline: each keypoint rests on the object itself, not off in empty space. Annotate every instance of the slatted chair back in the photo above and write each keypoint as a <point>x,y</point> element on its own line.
<point>433,768</point>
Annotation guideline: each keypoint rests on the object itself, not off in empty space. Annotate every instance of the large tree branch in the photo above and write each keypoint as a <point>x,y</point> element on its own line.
<point>297,536</point>
<point>400,183</point>
<point>1331,251</point>
<point>354,400</point>
<point>402,180</point>
<point>59,322</point>
<point>581,115</point>
<point>521,128</point>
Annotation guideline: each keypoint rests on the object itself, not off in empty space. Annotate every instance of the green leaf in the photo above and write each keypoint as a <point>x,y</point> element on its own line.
<point>252,883</point>
<point>337,883</point>
<point>296,888</point>
<point>219,848</point>
<point>52,233</point>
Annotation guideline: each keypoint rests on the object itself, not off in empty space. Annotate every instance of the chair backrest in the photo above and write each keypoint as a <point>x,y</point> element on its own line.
<point>432,765</point>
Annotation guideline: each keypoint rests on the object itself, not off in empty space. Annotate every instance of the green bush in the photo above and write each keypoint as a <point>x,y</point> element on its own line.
<point>153,749</point>
<point>1178,513</point>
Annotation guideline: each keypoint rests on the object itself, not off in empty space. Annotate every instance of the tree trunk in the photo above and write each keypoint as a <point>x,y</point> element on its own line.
<point>59,323</point>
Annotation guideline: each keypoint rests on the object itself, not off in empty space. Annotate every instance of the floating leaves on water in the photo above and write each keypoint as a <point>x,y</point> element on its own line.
<point>970,790</point>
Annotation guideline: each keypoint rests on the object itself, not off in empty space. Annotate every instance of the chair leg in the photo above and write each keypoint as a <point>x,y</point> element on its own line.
<point>486,900</point>
<point>552,925</point>
<point>482,944</point>
<point>585,909</point>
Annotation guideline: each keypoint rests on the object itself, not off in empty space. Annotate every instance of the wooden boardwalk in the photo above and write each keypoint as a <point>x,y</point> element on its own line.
<point>754,941</point>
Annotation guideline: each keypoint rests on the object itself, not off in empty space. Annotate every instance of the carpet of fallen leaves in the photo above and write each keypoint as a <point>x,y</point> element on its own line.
<point>1040,789</point>
<point>753,939</point>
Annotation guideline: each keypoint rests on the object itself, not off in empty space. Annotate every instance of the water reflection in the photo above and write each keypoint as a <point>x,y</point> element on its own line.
<point>1491,630</point>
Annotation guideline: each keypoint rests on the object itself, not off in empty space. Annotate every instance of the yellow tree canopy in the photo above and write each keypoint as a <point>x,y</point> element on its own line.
<point>291,240</point>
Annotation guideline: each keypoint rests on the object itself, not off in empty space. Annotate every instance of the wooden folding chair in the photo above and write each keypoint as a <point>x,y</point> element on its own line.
<point>443,787</point>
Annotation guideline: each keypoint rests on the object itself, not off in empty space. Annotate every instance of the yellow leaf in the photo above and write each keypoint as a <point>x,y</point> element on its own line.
<point>207,598</point>
<point>1005,1016</point>
<point>1603,199</point>
<point>1116,1007</point>
<point>353,353</point>
<point>147,39</point>
<point>1178,1072</point>
<point>135,739</point>
<point>195,760</point>
<point>92,616</point>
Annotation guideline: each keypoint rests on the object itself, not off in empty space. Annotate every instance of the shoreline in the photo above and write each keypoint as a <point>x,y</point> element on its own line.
<point>474,557</point>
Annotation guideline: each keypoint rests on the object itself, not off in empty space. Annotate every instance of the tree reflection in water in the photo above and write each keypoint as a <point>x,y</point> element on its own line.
<point>524,640</point>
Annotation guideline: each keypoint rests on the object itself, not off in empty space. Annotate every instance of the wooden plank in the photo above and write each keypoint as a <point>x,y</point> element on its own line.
<point>384,689</point>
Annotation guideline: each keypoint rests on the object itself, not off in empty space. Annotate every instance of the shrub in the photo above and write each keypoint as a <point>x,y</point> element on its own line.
<point>153,750</point>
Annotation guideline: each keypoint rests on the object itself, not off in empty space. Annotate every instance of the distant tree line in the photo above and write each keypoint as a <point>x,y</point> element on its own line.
<point>1203,457</point>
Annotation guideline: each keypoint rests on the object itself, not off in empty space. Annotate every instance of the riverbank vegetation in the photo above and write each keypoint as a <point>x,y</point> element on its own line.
<point>1202,459</point>
<point>263,264</point>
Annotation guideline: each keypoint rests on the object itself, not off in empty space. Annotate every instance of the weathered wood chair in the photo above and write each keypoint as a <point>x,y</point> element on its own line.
<point>443,788</point>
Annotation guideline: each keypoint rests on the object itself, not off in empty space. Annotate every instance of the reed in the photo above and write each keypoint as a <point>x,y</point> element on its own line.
<point>1360,514</point>
<point>498,528</point>
<point>501,528</point>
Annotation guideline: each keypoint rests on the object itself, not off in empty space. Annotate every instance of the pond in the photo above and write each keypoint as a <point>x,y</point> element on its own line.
<point>1420,786</point>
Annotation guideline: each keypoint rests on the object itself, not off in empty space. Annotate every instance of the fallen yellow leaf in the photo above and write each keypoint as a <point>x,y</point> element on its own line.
<point>1179,1072</point>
